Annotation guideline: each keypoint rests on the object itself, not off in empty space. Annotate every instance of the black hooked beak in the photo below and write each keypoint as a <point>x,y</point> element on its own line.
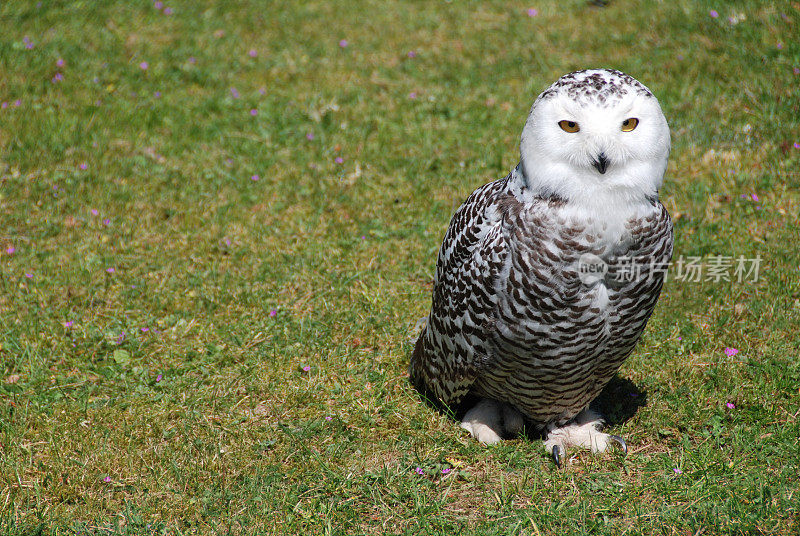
<point>601,164</point>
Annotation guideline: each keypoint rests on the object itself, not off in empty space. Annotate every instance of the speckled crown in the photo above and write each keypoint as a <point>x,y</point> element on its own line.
<point>597,86</point>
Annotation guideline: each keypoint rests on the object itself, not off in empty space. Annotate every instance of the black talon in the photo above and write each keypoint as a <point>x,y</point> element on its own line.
<point>556,453</point>
<point>621,442</point>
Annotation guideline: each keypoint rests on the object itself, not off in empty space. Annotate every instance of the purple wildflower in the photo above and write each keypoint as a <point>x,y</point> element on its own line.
<point>110,270</point>
<point>328,417</point>
<point>796,145</point>
<point>145,330</point>
<point>68,324</point>
<point>730,405</point>
<point>254,112</point>
<point>107,479</point>
<point>28,275</point>
<point>144,65</point>
<point>306,368</point>
<point>730,352</point>
<point>339,160</point>
<point>84,166</point>
<point>713,13</point>
<point>419,471</point>
<point>254,178</point>
<point>106,221</point>
<point>10,250</point>
<point>273,313</point>
<point>234,93</point>
<point>412,54</point>
<point>796,70</point>
<point>343,43</point>
<point>158,4</point>
<point>532,12</point>
<point>677,471</point>
<point>310,136</point>
<point>57,78</point>
<point>157,94</point>
<point>159,378</point>
<point>446,470</point>
<point>4,105</point>
<point>252,53</point>
<point>754,197</point>
<point>94,212</point>
<point>192,60</point>
<point>17,103</point>
<point>412,95</point>
<point>167,11</point>
<point>60,62</point>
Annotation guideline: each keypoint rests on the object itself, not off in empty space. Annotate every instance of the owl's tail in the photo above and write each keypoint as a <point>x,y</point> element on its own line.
<point>416,364</point>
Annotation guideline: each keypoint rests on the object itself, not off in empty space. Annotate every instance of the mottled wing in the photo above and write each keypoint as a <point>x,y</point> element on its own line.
<point>451,348</point>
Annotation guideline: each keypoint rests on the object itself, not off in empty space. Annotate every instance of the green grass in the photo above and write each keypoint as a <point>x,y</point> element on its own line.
<point>208,423</point>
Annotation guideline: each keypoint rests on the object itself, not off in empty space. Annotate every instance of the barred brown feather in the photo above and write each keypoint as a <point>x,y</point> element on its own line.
<point>511,319</point>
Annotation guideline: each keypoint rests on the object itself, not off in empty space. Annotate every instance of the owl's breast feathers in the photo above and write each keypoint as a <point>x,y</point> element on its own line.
<point>513,317</point>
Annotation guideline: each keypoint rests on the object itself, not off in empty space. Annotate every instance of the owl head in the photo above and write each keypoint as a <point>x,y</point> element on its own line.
<point>593,137</point>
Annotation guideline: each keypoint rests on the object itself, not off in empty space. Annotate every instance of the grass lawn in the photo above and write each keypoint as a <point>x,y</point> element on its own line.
<point>218,228</point>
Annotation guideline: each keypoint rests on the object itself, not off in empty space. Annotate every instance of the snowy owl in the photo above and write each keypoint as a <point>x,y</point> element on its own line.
<point>546,278</point>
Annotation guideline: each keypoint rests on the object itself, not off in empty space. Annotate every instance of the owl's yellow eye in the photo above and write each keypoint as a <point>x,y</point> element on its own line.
<point>569,126</point>
<point>629,124</point>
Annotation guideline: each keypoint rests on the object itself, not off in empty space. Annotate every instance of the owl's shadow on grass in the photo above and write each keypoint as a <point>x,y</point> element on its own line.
<point>618,402</point>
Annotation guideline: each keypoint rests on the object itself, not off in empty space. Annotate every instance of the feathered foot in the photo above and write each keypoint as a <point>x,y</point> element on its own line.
<point>489,421</point>
<point>582,431</point>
